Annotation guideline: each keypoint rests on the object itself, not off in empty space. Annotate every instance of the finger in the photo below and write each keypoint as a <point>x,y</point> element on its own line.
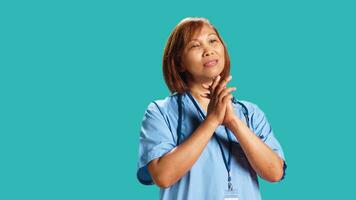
<point>207,92</point>
<point>212,81</point>
<point>214,84</point>
<point>226,92</point>
<point>205,86</point>
<point>222,85</point>
<point>227,98</point>
<point>208,86</point>
<point>205,95</point>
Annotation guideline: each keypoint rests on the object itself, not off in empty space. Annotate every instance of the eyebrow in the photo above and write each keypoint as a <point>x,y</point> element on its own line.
<point>208,35</point>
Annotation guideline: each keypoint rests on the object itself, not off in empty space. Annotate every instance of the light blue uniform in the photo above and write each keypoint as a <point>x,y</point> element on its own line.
<point>207,179</point>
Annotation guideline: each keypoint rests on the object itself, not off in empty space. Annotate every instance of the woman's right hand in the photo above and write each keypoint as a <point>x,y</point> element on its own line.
<point>219,98</point>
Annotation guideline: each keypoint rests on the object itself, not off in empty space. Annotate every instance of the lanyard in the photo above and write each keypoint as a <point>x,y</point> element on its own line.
<point>227,161</point>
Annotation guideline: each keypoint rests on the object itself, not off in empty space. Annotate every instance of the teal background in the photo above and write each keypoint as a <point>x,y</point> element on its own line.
<point>77,76</point>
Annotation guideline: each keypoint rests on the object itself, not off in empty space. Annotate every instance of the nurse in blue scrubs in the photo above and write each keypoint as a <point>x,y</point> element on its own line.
<point>201,143</point>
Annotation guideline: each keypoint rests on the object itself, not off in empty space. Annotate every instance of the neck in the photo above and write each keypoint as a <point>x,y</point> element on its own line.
<point>196,89</point>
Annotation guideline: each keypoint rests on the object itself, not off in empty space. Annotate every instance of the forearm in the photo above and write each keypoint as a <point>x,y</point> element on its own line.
<point>172,166</point>
<point>262,158</point>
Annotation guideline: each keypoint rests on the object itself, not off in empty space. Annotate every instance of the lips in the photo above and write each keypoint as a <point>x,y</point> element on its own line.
<point>211,63</point>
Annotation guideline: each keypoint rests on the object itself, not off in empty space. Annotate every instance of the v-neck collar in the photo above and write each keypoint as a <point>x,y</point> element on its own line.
<point>197,103</point>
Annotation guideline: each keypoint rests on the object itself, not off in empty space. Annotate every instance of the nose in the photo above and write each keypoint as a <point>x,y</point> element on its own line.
<point>209,53</point>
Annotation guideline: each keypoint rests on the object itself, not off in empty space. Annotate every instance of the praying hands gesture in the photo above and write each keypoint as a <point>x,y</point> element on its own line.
<point>220,107</point>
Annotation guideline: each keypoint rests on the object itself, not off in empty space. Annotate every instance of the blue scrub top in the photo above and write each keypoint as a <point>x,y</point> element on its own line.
<point>207,179</point>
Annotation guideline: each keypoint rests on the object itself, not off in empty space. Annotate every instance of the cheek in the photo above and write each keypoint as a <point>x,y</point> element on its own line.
<point>221,50</point>
<point>193,58</point>
<point>222,54</point>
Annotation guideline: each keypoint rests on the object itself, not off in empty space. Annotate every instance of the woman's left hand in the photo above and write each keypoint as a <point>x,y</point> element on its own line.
<point>229,115</point>
<point>218,88</point>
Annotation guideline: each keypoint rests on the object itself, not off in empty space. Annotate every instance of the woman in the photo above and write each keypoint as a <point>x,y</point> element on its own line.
<point>200,142</point>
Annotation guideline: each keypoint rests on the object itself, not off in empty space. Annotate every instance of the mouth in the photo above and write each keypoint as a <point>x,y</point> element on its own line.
<point>211,63</point>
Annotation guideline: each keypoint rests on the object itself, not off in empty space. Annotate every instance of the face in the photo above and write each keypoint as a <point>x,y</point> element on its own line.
<point>204,56</point>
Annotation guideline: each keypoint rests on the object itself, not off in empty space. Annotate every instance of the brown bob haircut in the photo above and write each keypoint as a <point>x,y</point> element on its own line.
<point>176,80</point>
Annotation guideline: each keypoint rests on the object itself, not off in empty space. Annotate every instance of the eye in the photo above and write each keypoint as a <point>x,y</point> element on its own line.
<point>213,40</point>
<point>194,46</point>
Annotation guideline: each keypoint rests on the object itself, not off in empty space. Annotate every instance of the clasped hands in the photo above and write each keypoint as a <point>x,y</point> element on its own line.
<point>220,108</point>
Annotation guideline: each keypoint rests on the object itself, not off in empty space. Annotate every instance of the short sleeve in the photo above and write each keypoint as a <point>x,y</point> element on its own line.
<point>156,139</point>
<point>263,130</point>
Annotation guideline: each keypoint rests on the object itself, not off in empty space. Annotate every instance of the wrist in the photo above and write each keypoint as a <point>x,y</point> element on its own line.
<point>212,121</point>
<point>234,122</point>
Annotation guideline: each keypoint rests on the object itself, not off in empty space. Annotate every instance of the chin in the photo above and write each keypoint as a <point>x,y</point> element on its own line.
<point>210,77</point>
<point>218,72</point>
